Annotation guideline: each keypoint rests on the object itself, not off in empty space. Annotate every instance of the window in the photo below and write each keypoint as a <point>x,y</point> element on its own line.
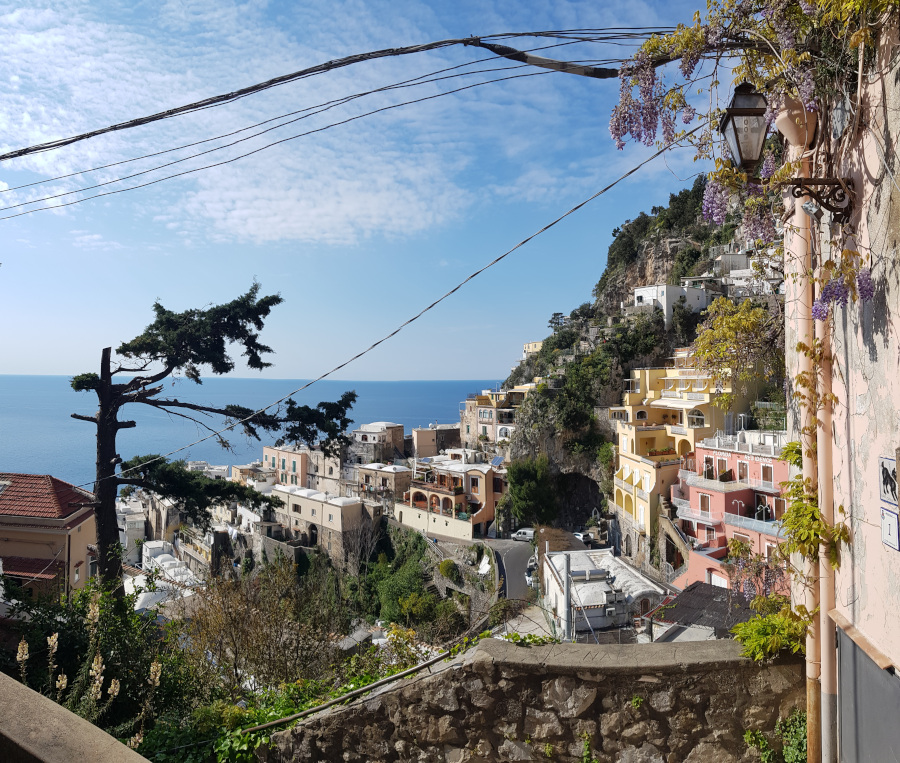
<point>708,467</point>
<point>331,517</point>
<point>384,482</point>
<point>498,484</point>
<point>742,471</point>
<point>742,538</point>
<point>313,512</point>
<point>467,429</point>
<point>282,463</point>
<point>704,504</point>
<point>710,535</point>
<point>293,466</point>
<point>367,479</point>
<point>721,466</point>
<point>767,473</point>
<point>474,484</point>
<point>696,419</point>
<point>779,508</point>
<point>77,574</point>
<point>484,431</point>
<point>641,415</point>
<point>330,470</point>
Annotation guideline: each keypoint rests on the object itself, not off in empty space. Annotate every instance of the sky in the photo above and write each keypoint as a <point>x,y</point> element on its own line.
<point>358,226</point>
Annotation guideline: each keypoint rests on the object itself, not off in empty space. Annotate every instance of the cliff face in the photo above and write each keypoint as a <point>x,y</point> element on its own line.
<point>653,265</point>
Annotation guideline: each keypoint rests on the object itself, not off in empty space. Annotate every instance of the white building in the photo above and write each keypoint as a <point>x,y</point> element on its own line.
<point>665,297</point>
<point>131,518</point>
<point>604,591</point>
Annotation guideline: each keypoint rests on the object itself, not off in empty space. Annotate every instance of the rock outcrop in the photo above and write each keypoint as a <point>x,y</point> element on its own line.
<point>654,263</point>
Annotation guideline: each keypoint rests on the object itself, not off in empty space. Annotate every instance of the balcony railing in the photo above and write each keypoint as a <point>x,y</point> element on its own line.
<point>695,396</point>
<point>622,484</point>
<point>769,527</point>
<point>678,429</point>
<point>681,503</point>
<point>670,393</point>
<point>693,515</point>
<point>642,494</point>
<point>436,487</point>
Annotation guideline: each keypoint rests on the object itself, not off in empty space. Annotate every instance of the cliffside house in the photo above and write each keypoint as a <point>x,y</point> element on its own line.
<point>448,496</point>
<point>310,518</point>
<point>489,417</point>
<point>604,591</point>
<point>430,441</point>
<point>731,488</point>
<point>664,297</point>
<point>377,480</point>
<point>665,412</point>
<point>47,533</point>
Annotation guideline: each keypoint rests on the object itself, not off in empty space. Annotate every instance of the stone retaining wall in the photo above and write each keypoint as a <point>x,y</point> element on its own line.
<point>650,703</point>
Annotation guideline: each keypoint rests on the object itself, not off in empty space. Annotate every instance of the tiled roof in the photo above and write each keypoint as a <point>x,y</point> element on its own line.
<point>29,567</point>
<point>707,605</point>
<point>39,495</point>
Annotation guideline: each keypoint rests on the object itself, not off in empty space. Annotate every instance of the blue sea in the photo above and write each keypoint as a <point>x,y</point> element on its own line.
<point>38,435</point>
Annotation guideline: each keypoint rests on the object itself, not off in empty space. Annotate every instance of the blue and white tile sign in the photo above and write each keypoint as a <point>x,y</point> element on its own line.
<point>887,489</point>
<point>887,479</point>
<point>889,529</point>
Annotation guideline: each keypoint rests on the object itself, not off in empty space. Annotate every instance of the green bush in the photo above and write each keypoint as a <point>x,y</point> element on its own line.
<point>450,571</point>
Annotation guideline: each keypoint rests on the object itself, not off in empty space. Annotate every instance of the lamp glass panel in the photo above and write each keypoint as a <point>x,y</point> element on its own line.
<point>731,139</point>
<point>750,133</point>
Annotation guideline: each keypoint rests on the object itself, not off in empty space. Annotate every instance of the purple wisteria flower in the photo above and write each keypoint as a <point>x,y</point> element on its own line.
<point>687,114</point>
<point>820,310</point>
<point>808,8</point>
<point>836,291</point>
<point>715,202</point>
<point>864,285</point>
<point>768,166</point>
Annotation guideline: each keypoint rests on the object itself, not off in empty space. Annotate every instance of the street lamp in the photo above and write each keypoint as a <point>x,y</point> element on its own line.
<point>744,126</point>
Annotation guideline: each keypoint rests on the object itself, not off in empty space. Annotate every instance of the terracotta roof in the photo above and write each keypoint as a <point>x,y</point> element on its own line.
<point>29,567</point>
<point>39,495</point>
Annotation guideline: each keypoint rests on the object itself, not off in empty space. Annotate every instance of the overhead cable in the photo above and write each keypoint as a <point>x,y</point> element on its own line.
<point>218,100</point>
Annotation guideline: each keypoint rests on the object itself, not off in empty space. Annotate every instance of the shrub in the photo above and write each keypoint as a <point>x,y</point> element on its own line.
<point>450,571</point>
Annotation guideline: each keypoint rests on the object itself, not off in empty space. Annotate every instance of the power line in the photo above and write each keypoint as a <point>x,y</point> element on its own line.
<point>219,100</point>
<point>260,149</point>
<point>412,82</point>
<point>418,315</point>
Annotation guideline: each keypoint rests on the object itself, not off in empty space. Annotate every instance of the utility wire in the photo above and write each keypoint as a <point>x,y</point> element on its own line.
<point>305,114</point>
<point>260,149</point>
<point>418,315</point>
<point>414,81</point>
<point>218,100</point>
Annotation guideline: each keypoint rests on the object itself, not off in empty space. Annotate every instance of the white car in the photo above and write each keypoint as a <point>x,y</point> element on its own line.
<point>529,578</point>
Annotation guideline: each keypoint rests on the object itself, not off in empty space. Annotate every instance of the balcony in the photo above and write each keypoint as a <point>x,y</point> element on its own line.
<point>694,515</point>
<point>677,429</point>
<point>642,494</point>
<point>695,395</point>
<point>436,487</point>
<point>670,393</point>
<point>766,527</point>
<point>622,484</point>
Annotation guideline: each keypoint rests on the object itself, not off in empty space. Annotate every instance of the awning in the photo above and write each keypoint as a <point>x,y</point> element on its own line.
<point>679,405</point>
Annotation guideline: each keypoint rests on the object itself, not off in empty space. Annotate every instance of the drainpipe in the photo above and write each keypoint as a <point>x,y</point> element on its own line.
<point>567,596</point>
<point>826,573</point>
<point>802,303</point>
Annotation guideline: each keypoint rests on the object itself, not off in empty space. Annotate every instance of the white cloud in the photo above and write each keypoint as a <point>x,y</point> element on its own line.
<point>77,65</point>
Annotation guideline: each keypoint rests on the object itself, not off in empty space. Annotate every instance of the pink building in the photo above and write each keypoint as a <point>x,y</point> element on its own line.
<point>731,489</point>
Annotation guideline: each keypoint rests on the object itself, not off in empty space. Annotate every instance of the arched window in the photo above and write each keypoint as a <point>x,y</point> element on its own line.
<point>641,415</point>
<point>696,418</point>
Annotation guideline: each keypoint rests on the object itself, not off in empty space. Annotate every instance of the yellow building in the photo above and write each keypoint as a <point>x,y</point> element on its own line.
<point>46,529</point>
<point>665,412</point>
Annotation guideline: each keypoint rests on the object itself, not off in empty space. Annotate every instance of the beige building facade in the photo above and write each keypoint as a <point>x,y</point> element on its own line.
<point>47,533</point>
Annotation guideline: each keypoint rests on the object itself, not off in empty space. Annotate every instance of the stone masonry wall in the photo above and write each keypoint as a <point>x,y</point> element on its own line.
<point>651,703</point>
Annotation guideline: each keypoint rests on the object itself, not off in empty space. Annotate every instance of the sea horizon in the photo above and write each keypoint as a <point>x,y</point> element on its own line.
<point>38,435</point>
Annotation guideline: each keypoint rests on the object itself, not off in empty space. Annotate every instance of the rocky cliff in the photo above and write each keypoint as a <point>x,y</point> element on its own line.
<point>653,265</point>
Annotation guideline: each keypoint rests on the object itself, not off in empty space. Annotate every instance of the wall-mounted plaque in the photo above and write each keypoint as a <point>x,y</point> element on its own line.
<point>889,529</point>
<point>887,479</point>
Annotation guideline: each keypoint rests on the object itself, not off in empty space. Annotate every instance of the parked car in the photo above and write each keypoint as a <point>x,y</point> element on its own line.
<point>526,533</point>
